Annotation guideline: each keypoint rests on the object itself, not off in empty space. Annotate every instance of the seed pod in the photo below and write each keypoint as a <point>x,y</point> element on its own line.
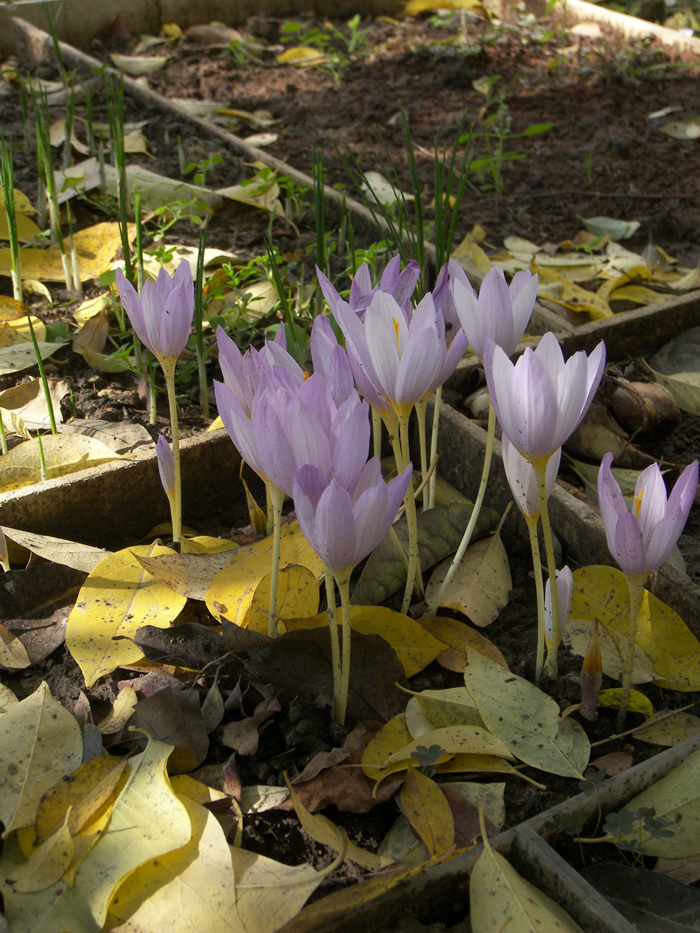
<point>640,406</point>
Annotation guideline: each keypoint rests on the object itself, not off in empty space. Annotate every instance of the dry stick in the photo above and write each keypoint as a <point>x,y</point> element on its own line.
<point>661,718</point>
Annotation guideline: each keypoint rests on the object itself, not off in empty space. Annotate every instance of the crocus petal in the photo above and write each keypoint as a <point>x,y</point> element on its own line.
<point>238,425</point>
<point>166,465</point>
<point>523,293</point>
<point>650,494</point>
<point>352,429</point>
<point>683,493</point>
<point>565,588</point>
<point>629,550</point>
<point>523,481</point>
<point>133,307</point>
<point>334,527</point>
<point>533,407</point>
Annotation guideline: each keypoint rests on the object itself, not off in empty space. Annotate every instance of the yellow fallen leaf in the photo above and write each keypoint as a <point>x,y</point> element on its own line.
<point>501,899</point>
<point>414,646</point>
<point>392,737</point>
<point>526,719</point>
<point>83,795</point>
<point>40,742</point>
<point>297,597</point>
<point>324,831</point>
<point>561,291</point>
<point>190,889</point>
<point>675,800</point>
<point>63,453</point>
<point>117,598</point>
<point>96,248</point>
<point>601,592</point>
<point>47,863</point>
<point>268,893</point>
<point>426,808</point>
<point>189,574</point>
<point>302,55</point>
<point>13,654</point>
<point>11,310</point>
<point>663,729</point>
<point>121,712</point>
<point>69,553</point>
<point>135,65</point>
<point>481,587</point>
<point>233,588</point>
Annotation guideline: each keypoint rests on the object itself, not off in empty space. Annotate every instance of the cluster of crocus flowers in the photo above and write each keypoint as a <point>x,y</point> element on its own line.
<point>500,314</point>
<point>162,319</point>
<point>642,539</point>
<point>539,402</point>
<point>308,437</point>
<point>398,359</point>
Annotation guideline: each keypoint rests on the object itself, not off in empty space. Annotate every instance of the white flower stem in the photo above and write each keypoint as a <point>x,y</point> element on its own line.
<point>433,446</point>
<point>413,575</point>
<point>635,585</point>
<point>540,468</point>
<point>473,518</point>
<point>168,365</point>
<point>376,433</point>
<point>268,507</point>
<point>341,700</point>
<point>335,641</point>
<point>532,524</point>
<point>277,500</point>
<point>422,440</point>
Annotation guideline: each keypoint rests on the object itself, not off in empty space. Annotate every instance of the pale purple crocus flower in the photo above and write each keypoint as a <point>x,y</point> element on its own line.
<point>640,541</point>
<point>398,283</point>
<point>541,399</point>
<point>396,363</point>
<point>565,587</point>
<point>286,430</point>
<point>242,371</point>
<point>500,313</point>
<point>162,314</point>
<point>443,296</point>
<point>166,466</point>
<point>522,480</point>
<point>344,525</point>
<point>330,360</point>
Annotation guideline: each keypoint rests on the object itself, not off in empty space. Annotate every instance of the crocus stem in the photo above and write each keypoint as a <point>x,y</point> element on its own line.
<point>532,524</point>
<point>268,507</point>
<point>341,701</point>
<point>635,584</point>
<point>376,433</point>
<point>277,500</point>
<point>168,364</point>
<point>422,440</point>
<point>473,518</point>
<point>335,640</point>
<point>3,438</point>
<point>540,467</point>
<point>433,445</point>
<point>413,575</point>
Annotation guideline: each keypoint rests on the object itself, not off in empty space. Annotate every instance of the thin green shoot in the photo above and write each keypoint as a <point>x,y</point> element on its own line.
<point>198,314</point>
<point>116,134</point>
<point>44,380</point>
<point>52,17</point>
<point>75,265</point>
<point>7,177</point>
<point>3,437</point>
<point>320,215</point>
<point>287,313</point>
<point>67,148</point>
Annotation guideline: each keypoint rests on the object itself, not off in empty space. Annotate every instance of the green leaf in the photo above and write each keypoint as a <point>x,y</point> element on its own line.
<point>439,532</point>
<point>526,719</point>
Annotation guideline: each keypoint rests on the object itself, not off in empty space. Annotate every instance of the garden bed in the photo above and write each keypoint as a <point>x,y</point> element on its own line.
<point>124,501</point>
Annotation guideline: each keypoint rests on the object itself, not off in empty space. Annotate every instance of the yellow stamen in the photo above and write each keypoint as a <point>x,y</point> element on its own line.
<point>396,332</point>
<point>307,375</point>
<point>638,501</point>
